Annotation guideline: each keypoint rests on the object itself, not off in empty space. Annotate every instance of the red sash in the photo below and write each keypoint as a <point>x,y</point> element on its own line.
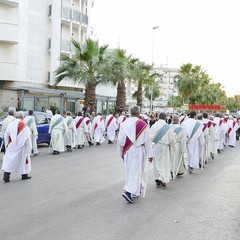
<point>79,122</point>
<point>110,120</point>
<point>140,126</point>
<point>21,126</point>
<point>209,124</point>
<point>204,126</point>
<point>96,125</point>
<point>230,129</point>
<point>124,118</point>
<point>220,122</point>
<point>88,121</point>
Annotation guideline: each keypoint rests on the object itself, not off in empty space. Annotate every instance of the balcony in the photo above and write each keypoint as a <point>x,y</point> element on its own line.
<point>8,71</point>
<point>9,32</point>
<point>71,15</point>
<point>66,46</point>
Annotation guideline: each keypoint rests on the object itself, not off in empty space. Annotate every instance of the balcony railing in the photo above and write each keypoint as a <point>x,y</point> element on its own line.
<point>67,12</point>
<point>66,45</point>
<point>74,15</point>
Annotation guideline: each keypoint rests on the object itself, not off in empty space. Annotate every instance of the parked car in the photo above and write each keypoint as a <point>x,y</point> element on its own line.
<point>42,120</point>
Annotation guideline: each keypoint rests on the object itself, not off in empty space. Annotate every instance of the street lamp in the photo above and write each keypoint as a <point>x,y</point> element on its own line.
<point>151,89</point>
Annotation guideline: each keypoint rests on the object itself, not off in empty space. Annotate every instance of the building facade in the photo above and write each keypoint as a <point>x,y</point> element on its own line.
<point>33,35</point>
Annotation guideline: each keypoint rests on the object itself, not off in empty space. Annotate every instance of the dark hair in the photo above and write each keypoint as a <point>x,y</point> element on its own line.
<point>192,114</point>
<point>162,115</point>
<point>79,114</point>
<point>30,112</point>
<point>57,111</point>
<point>205,115</point>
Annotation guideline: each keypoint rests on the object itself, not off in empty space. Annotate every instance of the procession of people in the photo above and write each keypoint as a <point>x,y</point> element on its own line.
<point>174,144</point>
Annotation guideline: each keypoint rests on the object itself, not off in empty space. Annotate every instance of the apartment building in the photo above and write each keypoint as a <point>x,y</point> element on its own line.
<point>167,86</point>
<point>33,35</point>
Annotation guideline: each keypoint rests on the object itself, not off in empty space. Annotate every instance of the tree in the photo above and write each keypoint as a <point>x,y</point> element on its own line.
<point>117,73</point>
<point>85,66</point>
<point>141,74</point>
<point>191,80</point>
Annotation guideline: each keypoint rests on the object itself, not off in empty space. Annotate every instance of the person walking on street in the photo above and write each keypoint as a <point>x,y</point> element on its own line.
<point>18,149</point>
<point>163,139</point>
<point>134,147</point>
<point>30,121</point>
<point>81,128</point>
<point>111,127</point>
<point>57,129</point>
<point>71,133</point>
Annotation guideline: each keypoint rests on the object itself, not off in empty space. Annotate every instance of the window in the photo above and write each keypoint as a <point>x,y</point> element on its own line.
<point>41,119</point>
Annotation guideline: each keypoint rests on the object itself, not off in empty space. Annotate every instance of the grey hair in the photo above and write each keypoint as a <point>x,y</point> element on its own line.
<point>175,118</point>
<point>135,110</point>
<point>11,112</point>
<point>20,115</point>
<point>162,115</point>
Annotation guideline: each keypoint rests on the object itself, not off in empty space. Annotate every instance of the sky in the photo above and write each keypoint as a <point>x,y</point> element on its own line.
<point>201,32</point>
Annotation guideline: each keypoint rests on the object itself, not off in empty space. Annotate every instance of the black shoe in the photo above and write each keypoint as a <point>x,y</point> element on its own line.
<point>180,174</point>
<point>55,152</point>
<point>110,142</point>
<point>90,144</point>
<point>25,177</point>
<point>69,149</point>
<point>6,177</point>
<point>219,151</point>
<point>98,143</point>
<point>79,147</point>
<point>128,197</point>
<point>158,183</point>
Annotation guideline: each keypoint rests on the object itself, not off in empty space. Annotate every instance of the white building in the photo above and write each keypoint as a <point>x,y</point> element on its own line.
<point>33,35</point>
<point>167,86</point>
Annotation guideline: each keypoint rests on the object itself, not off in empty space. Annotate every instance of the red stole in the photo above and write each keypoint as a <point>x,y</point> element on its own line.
<point>140,126</point>
<point>230,129</point>
<point>96,125</point>
<point>110,120</point>
<point>88,121</point>
<point>79,122</point>
<point>124,118</point>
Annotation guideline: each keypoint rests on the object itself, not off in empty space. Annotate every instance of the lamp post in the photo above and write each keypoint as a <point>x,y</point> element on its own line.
<point>151,87</point>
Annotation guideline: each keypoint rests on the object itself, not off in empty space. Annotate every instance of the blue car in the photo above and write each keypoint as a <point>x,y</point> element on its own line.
<point>42,120</point>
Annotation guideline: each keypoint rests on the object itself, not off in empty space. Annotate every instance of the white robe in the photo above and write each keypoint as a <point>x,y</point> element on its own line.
<point>111,128</point>
<point>98,129</point>
<point>17,155</point>
<point>71,133</point>
<point>193,142</point>
<point>30,121</point>
<point>80,131</point>
<point>181,149</point>
<point>232,132</point>
<point>89,129</point>
<point>162,157</point>
<point>213,139</point>
<point>5,123</point>
<point>135,157</point>
<point>57,133</point>
<point>221,131</point>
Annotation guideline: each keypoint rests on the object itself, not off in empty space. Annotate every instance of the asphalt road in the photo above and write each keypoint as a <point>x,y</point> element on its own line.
<point>77,196</point>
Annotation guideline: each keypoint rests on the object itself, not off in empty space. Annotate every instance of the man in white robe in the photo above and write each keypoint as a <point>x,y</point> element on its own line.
<point>5,123</point>
<point>88,132</point>
<point>81,128</point>
<point>121,119</point>
<point>134,147</point>
<point>30,121</point>
<point>180,154</point>
<point>221,131</point>
<point>195,137</point>
<point>162,136</point>
<point>71,133</point>
<point>232,129</point>
<point>111,127</point>
<point>18,149</point>
<point>98,128</point>
<point>57,129</point>
<point>213,133</point>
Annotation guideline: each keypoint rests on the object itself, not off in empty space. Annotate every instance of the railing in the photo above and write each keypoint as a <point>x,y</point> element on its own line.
<point>49,10</point>
<point>67,12</point>
<point>74,15</point>
<point>66,45</point>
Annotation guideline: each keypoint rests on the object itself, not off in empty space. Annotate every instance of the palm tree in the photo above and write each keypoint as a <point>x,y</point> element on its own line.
<point>190,80</point>
<point>85,66</point>
<point>140,73</point>
<point>117,74</point>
